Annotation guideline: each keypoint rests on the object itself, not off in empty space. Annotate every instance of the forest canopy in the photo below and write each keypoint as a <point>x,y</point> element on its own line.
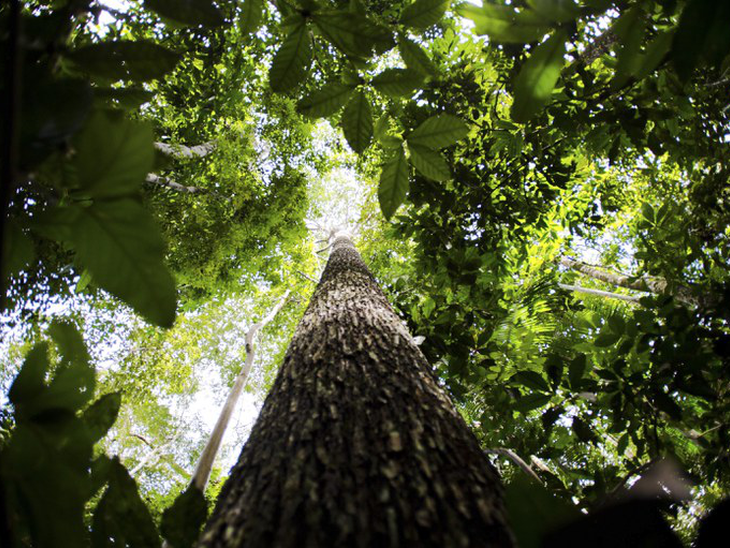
<point>540,187</point>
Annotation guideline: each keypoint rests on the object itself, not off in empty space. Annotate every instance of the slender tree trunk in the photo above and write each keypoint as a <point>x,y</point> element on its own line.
<point>207,457</point>
<point>357,444</point>
<point>682,294</point>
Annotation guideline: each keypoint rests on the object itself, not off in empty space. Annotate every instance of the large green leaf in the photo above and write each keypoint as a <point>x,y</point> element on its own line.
<point>325,101</point>
<point>393,185</point>
<point>397,82</point>
<point>429,162</point>
<point>505,24</point>
<point>122,248</point>
<point>357,122</point>
<point>125,98</point>
<point>538,77</point>
<point>141,60</point>
<point>291,62</point>
<point>421,14</point>
<point>30,381</point>
<point>438,131</point>
<point>252,15</point>
<point>414,57</point>
<point>188,12</point>
<point>182,521</point>
<point>353,36</point>
<point>101,414</point>
<point>531,379</point>
<point>702,34</point>
<point>558,11</point>
<point>113,155</point>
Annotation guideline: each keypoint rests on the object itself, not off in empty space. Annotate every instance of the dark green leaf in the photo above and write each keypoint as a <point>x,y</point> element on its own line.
<point>353,36</point>
<point>531,379</point>
<point>74,380</point>
<point>31,379</point>
<point>188,12</point>
<point>101,414</point>
<point>421,14</point>
<point>583,430</point>
<point>438,131</point>
<point>113,155</point>
<point>18,250</point>
<point>393,185</point>
<point>414,57</point>
<point>252,15</point>
<point>606,339</point>
<point>557,11</point>
<point>504,24</point>
<point>291,62</point>
<point>576,369</point>
<point>538,77</point>
<point>181,523</point>
<point>701,35</point>
<point>617,324</point>
<point>630,29</point>
<point>125,98</point>
<point>357,122</point>
<point>429,163</point>
<point>325,101</point>
<point>530,402</point>
<point>397,82</point>
<point>141,60</point>
<point>665,403</point>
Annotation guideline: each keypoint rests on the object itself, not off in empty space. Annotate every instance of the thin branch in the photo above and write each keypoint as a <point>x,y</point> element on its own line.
<point>514,457</point>
<point>599,293</point>
<point>182,151</point>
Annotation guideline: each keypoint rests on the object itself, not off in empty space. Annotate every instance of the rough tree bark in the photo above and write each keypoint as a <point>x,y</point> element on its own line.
<point>357,444</point>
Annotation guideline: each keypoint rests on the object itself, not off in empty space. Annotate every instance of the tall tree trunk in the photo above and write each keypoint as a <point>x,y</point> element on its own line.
<point>357,444</point>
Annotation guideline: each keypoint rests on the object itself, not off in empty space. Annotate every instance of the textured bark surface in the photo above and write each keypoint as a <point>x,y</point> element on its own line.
<point>356,444</point>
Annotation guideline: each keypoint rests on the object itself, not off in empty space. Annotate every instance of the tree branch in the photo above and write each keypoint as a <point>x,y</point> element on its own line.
<point>186,152</point>
<point>599,293</point>
<point>514,457</point>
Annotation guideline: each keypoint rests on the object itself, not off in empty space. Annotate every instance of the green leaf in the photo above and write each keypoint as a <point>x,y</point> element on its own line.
<point>124,98</point>
<point>188,12</point>
<point>438,131</point>
<point>630,28</point>
<point>537,78</point>
<point>422,14</point>
<point>530,402</point>
<point>557,11</point>
<point>354,36</point>
<point>121,246</point>
<point>101,414</point>
<point>141,60</point>
<point>617,324</point>
<point>414,57</point>
<point>397,82</point>
<point>583,430</point>
<point>531,379</point>
<point>504,24</point>
<point>702,35</point>
<point>606,339</point>
<point>121,518</point>
<point>665,403</point>
<point>393,185</point>
<point>252,16</point>
<point>357,122</point>
<point>325,101</point>
<point>291,62</point>
<point>429,162</point>
<point>576,370</point>
<point>534,511</point>
<point>113,155</point>
<point>30,381</point>
<point>181,522</point>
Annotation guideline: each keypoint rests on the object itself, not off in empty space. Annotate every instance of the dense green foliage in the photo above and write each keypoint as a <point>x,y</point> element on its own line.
<point>164,156</point>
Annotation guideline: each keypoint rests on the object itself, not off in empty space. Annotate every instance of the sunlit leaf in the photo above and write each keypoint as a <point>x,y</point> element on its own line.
<point>421,14</point>
<point>393,185</point>
<point>357,122</point>
<point>414,57</point>
<point>291,62</point>
<point>505,24</point>
<point>397,82</point>
<point>440,131</point>
<point>429,162</point>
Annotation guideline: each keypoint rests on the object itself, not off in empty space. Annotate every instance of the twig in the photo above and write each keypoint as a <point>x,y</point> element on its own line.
<point>503,451</point>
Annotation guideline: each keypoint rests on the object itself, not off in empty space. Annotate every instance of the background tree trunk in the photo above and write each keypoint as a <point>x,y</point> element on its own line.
<point>357,444</point>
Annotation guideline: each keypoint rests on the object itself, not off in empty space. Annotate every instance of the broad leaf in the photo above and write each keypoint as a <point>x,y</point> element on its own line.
<point>17,248</point>
<point>414,57</point>
<point>101,414</point>
<point>421,14</point>
<point>558,11</point>
<point>188,12</point>
<point>125,98</point>
<point>531,379</point>
<point>252,15</point>
<point>538,77</point>
<point>141,60</point>
<point>630,28</point>
<point>429,162</point>
<point>357,122</point>
<point>439,131</point>
<point>393,185</point>
<point>291,62</point>
<point>113,155</point>
<point>505,24</point>
<point>530,402</point>
<point>702,34</point>
<point>121,246</point>
<point>181,522</point>
<point>30,381</point>
<point>353,36</point>
<point>397,82</point>
<point>325,101</point>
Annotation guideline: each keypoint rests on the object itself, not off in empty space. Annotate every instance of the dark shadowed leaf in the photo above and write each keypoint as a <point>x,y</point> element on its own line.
<point>101,414</point>
<point>125,98</point>
<point>31,378</point>
<point>357,122</point>
<point>18,250</point>
<point>429,163</point>
<point>715,526</point>
<point>141,60</point>
<point>421,14</point>
<point>393,185</point>
<point>414,57</point>
<point>438,131</point>
<point>397,82</point>
<point>182,521</point>
<point>252,15</point>
<point>325,101</point>
<point>576,369</point>
<point>701,35</point>
<point>291,62</point>
<point>188,12</point>
<point>558,11</point>
<point>538,77</point>
<point>530,402</point>
<point>505,24</point>
<point>531,379</point>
